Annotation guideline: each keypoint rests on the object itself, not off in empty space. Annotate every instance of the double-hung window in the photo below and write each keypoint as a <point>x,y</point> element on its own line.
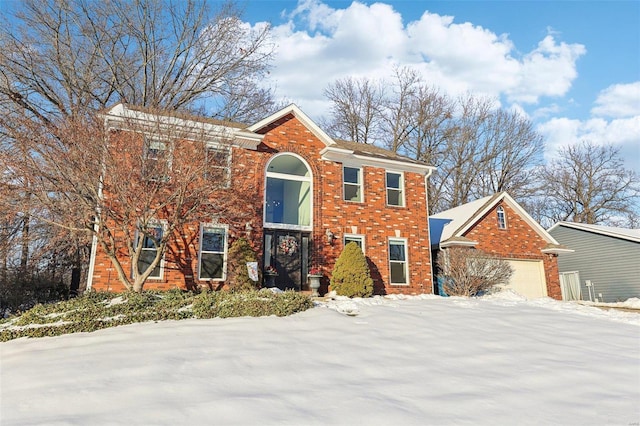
<point>395,189</point>
<point>150,242</point>
<point>213,252</point>
<point>352,183</point>
<point>398,263</point>
<point>157,159</point>
<point>218,167</point>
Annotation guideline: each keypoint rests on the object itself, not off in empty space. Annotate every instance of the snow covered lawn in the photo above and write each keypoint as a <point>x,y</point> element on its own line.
<point>399,361</point>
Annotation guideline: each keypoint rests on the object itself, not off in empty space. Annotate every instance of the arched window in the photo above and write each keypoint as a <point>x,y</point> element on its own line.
<point>502,218</point>
<point>288,193</point>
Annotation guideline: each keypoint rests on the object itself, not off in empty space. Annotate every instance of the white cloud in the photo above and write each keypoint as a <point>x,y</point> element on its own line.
<point>619,100</point>
<point>624,132</point>
<point>320,44</point>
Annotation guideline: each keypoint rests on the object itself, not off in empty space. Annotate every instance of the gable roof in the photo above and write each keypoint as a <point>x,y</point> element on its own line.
<point>610,231</point>
<point>464,217</point>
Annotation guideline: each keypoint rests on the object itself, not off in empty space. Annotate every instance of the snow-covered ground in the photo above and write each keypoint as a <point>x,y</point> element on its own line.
<point>498,360</point>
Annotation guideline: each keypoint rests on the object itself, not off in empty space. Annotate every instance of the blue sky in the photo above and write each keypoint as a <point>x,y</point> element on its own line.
<point>573,67</point>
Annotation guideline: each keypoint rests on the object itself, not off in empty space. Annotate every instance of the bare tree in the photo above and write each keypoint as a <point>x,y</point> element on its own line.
<point>356,111</point>
<point>477,148</point>
<point>64,61</point>
<point>588,183</point>
<point>469,272</point>
<point>61,57</point>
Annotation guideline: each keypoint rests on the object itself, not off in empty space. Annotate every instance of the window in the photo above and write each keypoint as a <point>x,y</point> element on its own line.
<point>395,183</point>
<point>352,186</point>
<point>352,238</point>
<point>398,261</point>
<point>212,256</point>
<point>218,166</point>
<point>502,218</point>
<point>157,159</point>
<point>288,193</point>
<point>150,244</point>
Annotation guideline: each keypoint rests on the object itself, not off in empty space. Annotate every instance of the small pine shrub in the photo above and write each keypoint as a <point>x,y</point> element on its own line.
<point>351,276</point>
<point>240,253</point>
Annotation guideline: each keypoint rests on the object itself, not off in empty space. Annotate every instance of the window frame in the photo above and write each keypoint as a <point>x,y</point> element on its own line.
<point>501,217</point>
<point>355,237</point>
<point>225,168</point>
<point>154,224</point>
<point>405,262</point>
<point>400,188</point>
<point>288,177</point>
<point>224,253</point>
<point>148,141</point>
<point>359,184</point>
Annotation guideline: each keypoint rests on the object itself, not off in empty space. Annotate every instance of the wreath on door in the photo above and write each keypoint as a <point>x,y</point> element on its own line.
<point>288,245</point>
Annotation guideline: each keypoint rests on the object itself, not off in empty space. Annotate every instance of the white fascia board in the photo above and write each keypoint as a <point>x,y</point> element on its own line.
<point>514,205</point>
<point>596,229</point>
<point>557,250</point>
<point>117,116</point>
<point>304,119</point>
<point>446,244</point>
<point>348,157</point>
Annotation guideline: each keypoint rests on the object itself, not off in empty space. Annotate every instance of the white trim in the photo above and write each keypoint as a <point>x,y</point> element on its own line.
<point>268,174</point>
<point>360,237</point>
<point>360,183</point>
<point>347,156</point>
<point>402,188</point>
<point>224,252</point>
<point>610,231</point>
<point>153,224</point>
<point>118,115</point>
<point>404,241</point>
<point>301,116</point>
<point>446,244</point>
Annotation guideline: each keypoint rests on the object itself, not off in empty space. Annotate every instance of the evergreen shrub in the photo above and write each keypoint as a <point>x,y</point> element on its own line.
<point>351,276</point>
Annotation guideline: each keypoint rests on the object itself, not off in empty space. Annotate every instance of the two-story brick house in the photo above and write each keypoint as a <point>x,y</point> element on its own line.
<point>309,196</point>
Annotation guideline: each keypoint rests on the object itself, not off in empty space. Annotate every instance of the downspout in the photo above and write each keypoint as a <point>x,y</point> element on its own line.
<point>426,197</point>
<point>96,227</point>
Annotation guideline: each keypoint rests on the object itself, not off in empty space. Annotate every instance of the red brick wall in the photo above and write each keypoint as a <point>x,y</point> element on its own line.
<point>372,218</point>
<point>518,241</point>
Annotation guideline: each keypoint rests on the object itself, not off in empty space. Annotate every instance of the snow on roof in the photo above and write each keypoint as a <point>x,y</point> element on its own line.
<point>611,231</point>
<point>459,216</point>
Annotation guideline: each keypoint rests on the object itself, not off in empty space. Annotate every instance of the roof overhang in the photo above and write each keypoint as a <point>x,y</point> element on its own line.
<point>347,156</point>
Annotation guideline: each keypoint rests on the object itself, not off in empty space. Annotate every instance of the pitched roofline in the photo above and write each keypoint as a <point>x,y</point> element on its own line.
<point>610,231</point>
<point>297,112</point>
<point>492,202</point>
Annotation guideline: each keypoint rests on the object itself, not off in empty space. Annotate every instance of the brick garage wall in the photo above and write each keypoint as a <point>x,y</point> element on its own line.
<point>518,241</point>
<point>372,218</point>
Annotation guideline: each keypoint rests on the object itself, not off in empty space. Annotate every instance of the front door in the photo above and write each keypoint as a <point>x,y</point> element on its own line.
<point>288,253</point>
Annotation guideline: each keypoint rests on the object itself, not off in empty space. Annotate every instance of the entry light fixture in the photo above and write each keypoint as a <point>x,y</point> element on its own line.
<point>330,236</point>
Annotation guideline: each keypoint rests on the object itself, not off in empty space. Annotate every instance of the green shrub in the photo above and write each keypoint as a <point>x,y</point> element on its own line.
<point>240,253</point>
<point>351,276</point>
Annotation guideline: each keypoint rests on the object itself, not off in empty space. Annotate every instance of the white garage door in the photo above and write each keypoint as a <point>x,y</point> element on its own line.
<point>528,278</point>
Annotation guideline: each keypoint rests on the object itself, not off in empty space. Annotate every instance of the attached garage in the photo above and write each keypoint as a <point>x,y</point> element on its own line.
<point>528,278</point>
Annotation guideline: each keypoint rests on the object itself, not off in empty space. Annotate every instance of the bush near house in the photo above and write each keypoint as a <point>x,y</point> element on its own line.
<point>97,310</point>
<point>469,272</point>
<point>351,276</point>
<point>240,253</point>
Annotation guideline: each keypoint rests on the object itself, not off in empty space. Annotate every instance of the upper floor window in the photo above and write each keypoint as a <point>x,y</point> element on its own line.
<point>395,189</point>
<point>157,159</point>
<point>352,183</point>
<point>213,252</point>
<point>502,218</point>
<point>218,166</point>
<point>150,242</point>
<point>288,193</point>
